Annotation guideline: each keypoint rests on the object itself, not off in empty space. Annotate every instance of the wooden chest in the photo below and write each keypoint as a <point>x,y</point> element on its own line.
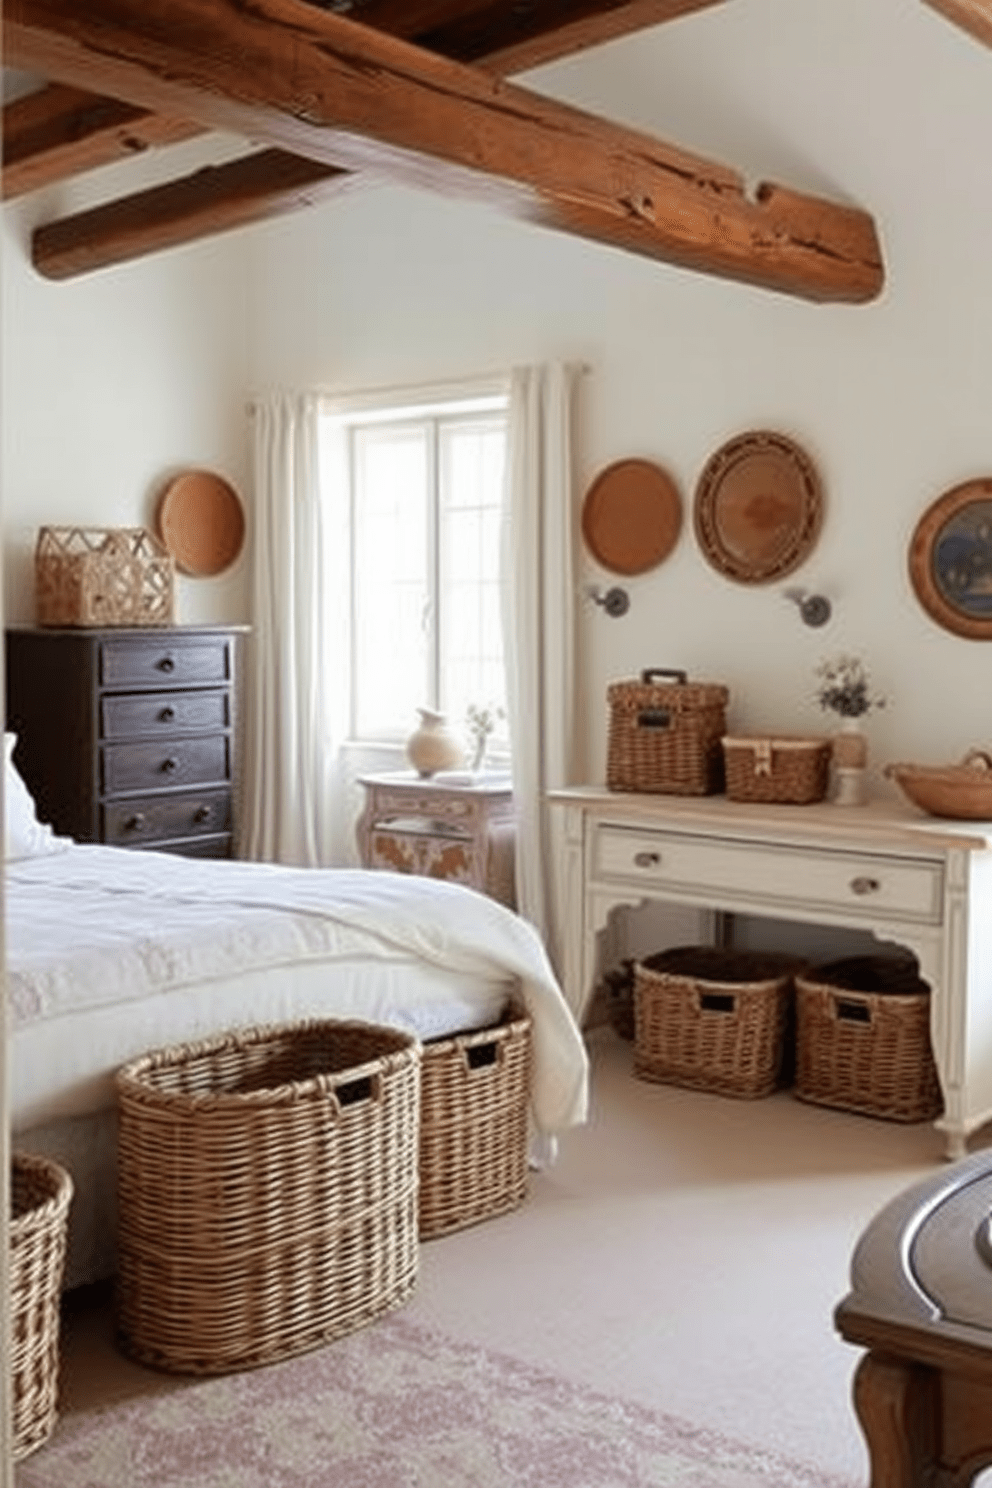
<point>130,736</point>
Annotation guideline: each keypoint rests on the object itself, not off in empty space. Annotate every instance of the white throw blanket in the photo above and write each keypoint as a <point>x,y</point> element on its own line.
<point>98,926</point>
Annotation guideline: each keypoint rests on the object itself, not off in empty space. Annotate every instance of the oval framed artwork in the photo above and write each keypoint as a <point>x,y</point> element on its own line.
<point>201,523</point>
<point>950,559</point>
<point>758,507</point>
<point>631,516</point>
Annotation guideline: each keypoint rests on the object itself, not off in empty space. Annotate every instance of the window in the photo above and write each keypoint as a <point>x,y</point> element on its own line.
<point>425,490</point>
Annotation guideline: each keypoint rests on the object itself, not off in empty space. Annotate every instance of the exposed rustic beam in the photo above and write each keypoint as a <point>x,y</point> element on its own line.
<point>973,16</point>
<point>286,74</point>
<point>255,187</point>
<point>58,132</point>
<point>507,38</point>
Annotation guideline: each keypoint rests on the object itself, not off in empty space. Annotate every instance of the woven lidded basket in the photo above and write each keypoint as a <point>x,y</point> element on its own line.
<point>40,1195</point>
<point>863,1039</point>
<point>102,576</point>
<point>267,1192</point>
<point>665,735</point>
<point>714,1019</point>
<point>474,1100</point>
<point>791,771</point>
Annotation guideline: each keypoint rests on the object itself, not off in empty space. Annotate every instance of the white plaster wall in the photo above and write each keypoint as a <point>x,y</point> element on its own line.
<point>876,102</point>
<point>111,384</point>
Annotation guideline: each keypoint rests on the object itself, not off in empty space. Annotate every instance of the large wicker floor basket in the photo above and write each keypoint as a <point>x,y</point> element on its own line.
<point>267,1192</point>
<point>863,1039</point>
<point>714,1019</point>
<point>475,1093</point>
<point>40,1195</point>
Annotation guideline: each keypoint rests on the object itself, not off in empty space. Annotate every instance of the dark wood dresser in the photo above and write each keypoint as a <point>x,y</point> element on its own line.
<point>130,736</point>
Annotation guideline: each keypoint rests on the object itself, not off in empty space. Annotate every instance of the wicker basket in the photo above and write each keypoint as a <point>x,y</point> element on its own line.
<point>792,771</point>
<point>40,1194</point>
<point>714,1019</point>
<point>665,737</point>
<point>475,1092</point>
<point>863,1039</point>
<point>267,1192</point>
<point>102,576</point>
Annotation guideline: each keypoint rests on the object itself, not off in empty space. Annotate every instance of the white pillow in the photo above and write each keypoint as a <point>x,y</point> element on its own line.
<point>24,835</point>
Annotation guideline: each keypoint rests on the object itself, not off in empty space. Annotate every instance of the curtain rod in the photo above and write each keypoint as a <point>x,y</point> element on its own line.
<point>477,385</point>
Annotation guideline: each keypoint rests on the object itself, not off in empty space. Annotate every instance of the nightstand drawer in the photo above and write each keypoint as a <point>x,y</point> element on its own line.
<point>165,661</point>
<point>165,765</point>
<point>868,884</point>
<point>126,716</point>
<point>144,819</point>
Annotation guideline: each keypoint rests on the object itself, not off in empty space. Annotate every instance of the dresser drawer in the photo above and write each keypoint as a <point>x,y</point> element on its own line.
<point>141,820</point>
<point>165,765</point>
<point>124,716</point>
<point>165,661</point>
<point>770,874</point>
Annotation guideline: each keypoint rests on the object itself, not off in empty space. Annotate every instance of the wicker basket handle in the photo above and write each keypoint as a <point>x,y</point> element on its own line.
<point>483,1056</point>
<point>848,1011</point>
<point>650,673</point>
<point>354,1091</point>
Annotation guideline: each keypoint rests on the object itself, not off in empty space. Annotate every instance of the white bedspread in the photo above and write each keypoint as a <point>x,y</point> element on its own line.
<point>99,928</point>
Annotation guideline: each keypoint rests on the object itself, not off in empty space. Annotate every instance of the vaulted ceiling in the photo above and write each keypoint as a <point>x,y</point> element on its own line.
<point>326,94</point>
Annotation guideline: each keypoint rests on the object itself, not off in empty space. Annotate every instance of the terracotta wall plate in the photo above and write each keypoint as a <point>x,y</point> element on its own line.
<point>758,507</point>
<point>950,560</point>
<point>201,522</point>
<point>631,516</point>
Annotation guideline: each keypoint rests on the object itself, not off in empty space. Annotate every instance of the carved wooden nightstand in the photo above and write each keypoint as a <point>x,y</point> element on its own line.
<point>460,829</point>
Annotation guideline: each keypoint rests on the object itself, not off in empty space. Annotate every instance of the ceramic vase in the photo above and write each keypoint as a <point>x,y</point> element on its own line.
<point>432,746</point>
<point>850,755</point>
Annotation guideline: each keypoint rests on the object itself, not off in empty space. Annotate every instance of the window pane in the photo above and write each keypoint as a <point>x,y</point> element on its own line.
<point>470,453</point>
<point>391,588</point>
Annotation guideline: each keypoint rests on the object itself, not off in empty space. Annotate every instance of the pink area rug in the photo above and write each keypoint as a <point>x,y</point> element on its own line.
<point>395,1406</point>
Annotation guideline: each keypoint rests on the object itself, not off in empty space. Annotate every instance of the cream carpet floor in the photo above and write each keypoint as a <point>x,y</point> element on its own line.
<point>685,1254</point>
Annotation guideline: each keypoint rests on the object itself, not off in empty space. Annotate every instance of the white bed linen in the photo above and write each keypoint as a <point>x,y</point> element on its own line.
<point>100,940</point>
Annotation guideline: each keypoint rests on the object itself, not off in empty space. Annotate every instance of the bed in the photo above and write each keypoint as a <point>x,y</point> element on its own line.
<point>112,952</point>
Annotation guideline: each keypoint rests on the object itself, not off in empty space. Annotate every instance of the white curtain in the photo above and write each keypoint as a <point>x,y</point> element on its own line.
<point>539,630</point>
<point>292,729</point>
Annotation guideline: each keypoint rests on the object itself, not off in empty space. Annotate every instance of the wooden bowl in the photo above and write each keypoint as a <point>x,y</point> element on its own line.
<point>962,791</point>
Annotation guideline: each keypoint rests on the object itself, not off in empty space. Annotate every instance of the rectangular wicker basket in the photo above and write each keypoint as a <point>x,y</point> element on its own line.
<point>792,771</point>
<point>93,576</point>
<point>665,736</point>
<point>863,1039</point>
<point>474,1099</point>
<point>267,1192</point>
<point>40,1196</point>
<point>714,1019</point>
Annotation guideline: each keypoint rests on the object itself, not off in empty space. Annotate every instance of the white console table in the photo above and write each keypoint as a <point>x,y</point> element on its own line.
<point>907,878</point>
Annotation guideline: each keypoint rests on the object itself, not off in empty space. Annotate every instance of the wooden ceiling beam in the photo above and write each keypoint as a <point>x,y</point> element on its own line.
<point>57,132</point>
<point>286,74</point>
<point>973,16</point>
<point>212,200</point>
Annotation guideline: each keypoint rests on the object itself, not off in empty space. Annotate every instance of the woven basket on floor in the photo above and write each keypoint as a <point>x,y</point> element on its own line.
<point>475,1094</point>
<point>791,771</point>
<point>713,1019</point>
<point>863,1039</point>
<point>40,1194</point>
<point>267,1192</point>
<point>665,736</point>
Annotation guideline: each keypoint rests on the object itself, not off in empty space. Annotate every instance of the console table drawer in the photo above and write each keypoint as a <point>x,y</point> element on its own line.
<point>772,873</point>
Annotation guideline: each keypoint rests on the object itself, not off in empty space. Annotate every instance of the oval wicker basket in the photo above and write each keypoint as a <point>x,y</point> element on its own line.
<point>267,1192</point>
<point>40,1194</point>
<point>962,792</point>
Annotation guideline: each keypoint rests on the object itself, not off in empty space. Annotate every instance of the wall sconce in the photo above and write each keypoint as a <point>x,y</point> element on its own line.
<point>615,601</point>
<point>814,609</point>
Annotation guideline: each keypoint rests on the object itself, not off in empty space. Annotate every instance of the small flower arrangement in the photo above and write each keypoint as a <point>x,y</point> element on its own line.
<point>481,722</point>
<point>845,688</point>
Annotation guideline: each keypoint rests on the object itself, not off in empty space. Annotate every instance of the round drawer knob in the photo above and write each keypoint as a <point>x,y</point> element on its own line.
<point>166,664</point>
<point>135,823</point>
<point>864,885</point>
<point>202,814</point>
<point>170,764</point>
<point>647,859</point>
<point>167,715</point>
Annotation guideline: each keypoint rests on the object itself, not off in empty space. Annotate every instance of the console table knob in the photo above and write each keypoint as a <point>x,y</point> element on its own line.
<point>647,859</point>
<point>136,822</point>
<point>865,885</point>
